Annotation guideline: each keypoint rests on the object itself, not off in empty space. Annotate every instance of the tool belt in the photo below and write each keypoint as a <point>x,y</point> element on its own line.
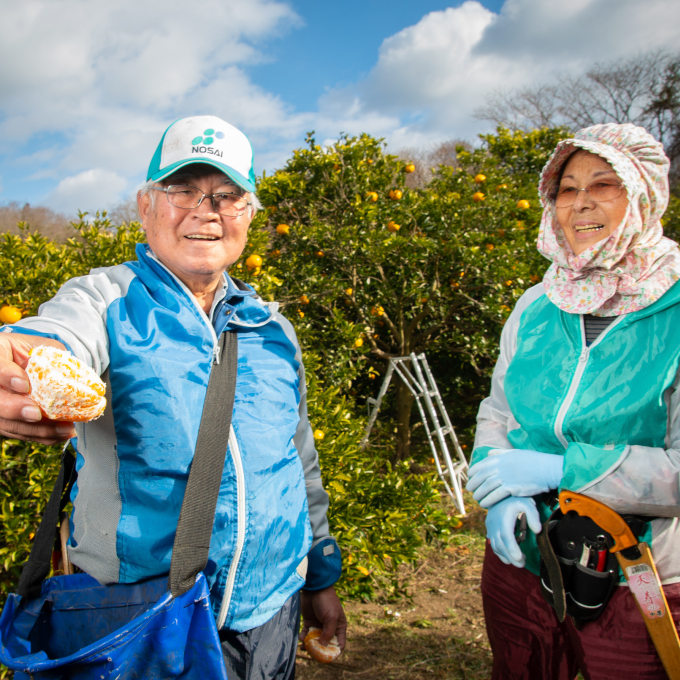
<point>578,574</point>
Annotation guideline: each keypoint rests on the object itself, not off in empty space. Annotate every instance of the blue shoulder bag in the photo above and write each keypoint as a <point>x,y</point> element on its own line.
<point>73,628</point>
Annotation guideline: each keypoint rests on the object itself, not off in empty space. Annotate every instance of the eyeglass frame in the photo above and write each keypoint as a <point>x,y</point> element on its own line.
<point>620,185</point>
<point>166,190</point>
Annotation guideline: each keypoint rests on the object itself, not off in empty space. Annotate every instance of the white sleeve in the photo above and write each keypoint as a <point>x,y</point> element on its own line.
<point>638,480</point>
<point>76,315</point>
<point>495,419</point>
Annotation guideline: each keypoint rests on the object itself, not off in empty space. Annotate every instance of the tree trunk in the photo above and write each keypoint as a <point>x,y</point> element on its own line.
<point>405,401</point>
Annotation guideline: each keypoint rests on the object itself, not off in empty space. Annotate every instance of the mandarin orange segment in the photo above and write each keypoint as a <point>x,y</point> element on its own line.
<point>63,386</point>
<point>319,652</point>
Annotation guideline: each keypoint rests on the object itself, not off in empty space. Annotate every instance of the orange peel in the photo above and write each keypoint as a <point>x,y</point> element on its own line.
<point>64,387</point>
<point>319,652</point>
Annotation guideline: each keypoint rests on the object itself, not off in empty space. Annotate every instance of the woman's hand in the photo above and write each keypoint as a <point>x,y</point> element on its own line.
<point>20,417</point>
<point>500,527</point>
<point>516,472</point>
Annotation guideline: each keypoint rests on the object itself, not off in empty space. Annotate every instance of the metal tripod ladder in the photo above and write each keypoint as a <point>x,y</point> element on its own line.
<point>424,388</point>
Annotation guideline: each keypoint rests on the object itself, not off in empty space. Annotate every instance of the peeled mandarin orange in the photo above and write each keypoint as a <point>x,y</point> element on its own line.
<point>319,652</point>
<point>64,387</point>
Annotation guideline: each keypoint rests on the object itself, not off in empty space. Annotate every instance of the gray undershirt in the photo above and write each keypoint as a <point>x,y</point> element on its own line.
<point>595,325</point>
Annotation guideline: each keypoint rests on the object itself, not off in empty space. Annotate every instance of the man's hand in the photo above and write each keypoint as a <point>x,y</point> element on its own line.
<point>322,609</point>
<point>20,417</point>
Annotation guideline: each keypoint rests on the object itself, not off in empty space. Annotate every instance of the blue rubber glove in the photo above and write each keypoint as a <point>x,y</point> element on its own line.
<point>500,527</point>
<point>514,473</point>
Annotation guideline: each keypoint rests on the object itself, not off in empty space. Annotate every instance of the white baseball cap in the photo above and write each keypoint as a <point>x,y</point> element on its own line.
<point>204,139</point>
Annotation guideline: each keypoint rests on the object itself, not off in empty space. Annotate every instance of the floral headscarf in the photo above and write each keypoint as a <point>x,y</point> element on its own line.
<point>636,264</point>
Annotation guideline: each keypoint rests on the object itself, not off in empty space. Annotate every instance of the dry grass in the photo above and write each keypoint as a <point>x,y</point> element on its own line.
<point>439,632</point>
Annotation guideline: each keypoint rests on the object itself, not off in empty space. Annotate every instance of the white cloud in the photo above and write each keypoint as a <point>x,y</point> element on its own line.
<point>87,191</point>
<point>93,83</point>
<point>429,78</point>
<point>88,86</point>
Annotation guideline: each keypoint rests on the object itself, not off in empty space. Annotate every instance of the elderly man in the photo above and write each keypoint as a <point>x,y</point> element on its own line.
<point>152,328</point>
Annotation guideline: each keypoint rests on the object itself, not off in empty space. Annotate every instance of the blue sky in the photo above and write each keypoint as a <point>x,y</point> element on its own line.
<point>337,43</point>
<point>88,86</point>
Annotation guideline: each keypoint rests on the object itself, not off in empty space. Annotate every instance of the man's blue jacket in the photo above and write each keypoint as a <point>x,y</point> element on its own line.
<point>141,328</point>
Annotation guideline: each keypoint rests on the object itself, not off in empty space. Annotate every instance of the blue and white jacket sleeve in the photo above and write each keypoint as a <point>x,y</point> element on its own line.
<point>76,316</point>
<point>324,562</point>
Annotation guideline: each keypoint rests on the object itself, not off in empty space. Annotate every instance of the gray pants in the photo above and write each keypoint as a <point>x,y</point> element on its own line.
<point>266,652</point>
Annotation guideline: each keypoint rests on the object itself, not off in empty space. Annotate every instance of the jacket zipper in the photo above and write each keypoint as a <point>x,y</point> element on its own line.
<point>576,379</point>
<point>240,478</point>
<point>241,530</point>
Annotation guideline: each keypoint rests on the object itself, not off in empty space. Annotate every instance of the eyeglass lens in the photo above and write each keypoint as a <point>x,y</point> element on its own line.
<point>188,197</point>
<point>598,191</point>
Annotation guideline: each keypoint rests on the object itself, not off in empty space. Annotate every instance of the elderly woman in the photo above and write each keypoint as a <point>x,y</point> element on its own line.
<point>585,396</point>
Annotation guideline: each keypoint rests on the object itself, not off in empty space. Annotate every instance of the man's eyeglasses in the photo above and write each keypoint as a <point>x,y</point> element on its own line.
<point>188,197</point>
<point>599,191</point>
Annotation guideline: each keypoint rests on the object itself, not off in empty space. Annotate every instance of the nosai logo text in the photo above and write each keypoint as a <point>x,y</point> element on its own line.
<point>201,144</point>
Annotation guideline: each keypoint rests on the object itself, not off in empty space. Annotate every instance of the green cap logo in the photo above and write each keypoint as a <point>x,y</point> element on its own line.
<point>209,137</point>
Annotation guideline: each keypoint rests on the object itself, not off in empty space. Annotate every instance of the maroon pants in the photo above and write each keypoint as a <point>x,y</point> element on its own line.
<point>528,641</point>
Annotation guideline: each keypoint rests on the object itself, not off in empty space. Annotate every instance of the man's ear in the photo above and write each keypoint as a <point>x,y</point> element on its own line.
<point>144,207</point>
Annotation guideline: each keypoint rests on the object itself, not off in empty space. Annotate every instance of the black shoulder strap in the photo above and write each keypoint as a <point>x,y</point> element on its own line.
<point>194,529</point>
<point>241,285</point>
<point>39,563</point>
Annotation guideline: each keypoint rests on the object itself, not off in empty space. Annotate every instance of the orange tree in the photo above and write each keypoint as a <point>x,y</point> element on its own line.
<point>373,270</point>
<point>380,514</point>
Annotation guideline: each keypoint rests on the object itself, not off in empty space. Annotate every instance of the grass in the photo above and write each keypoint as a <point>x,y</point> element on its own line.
<point>435,631</point>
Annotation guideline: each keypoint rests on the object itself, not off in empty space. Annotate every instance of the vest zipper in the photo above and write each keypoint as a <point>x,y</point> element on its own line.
<point>576,379</point>
<point>241,529</point>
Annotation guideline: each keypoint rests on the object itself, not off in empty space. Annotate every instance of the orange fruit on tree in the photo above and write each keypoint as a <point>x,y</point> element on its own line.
<point>396,194</point>
<point>304,299</point>
<point>409,167</point>
<point>378,310</point>
<point>393,226</point>
<point>319,435</point>
<point>370,161</point>
<point>320,253</point>
<point>478,196</point>
<point>349,291</point>
<point>489,246</point>
<point>480,179</point>
<point>501,187</point>
<point>372,196</point>
<point>283,229</point>
<point>301,313</point>
<point>9,314</point>
<point>253,262</point>
<point>523,204</point>
<point>358,342</point>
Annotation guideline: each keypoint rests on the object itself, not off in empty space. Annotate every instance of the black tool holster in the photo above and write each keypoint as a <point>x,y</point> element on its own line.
<point>573,589</point>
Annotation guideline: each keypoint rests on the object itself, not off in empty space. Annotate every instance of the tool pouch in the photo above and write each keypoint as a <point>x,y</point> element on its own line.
<point>572,581</point>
